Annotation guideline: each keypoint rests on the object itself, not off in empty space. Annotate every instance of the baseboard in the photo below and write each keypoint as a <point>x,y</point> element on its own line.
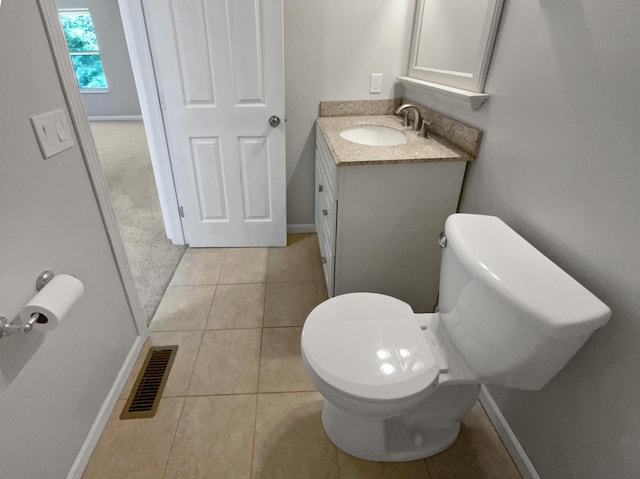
<point>301,228</point>
<point>82,459</point>
<point>518,454</point>
<point>116,118</point>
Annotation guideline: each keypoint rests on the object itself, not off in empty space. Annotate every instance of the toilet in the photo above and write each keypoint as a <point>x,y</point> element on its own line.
<point>396,384</point>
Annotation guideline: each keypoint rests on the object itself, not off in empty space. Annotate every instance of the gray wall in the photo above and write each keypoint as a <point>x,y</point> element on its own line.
<point>560,163</point>
<point>331,47</point>
<point>52,385</point>
<point>122,98</point>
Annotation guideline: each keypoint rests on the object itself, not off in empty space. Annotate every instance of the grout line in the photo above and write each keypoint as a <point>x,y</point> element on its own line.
<point>220,329</point>
<point>337,461</point>
<point>206,322</point>
<point>173,437</point>
<point>427,468</point>
<point>195,362</point>
<point>297,391</point>
<point>193,370</point>
<point>264,307</point>
<point>293,281</point>
<point>253,444</point>
<point>255,421</point>
<point>242,283</point>
<point>284,326</point>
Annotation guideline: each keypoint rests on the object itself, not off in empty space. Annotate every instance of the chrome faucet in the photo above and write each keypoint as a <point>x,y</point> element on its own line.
<point>416,115</point>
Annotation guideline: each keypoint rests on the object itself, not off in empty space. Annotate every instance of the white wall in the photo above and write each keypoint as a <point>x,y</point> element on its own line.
<point>560,163</point>
<point>122,98</point>
<point>51,385</point>
<point>331,48</point>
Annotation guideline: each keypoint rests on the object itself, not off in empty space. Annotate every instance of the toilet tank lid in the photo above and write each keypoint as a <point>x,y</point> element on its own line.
<point>559,306</point>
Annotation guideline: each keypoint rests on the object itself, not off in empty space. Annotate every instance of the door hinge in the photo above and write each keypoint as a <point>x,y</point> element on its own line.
<point>163,105</point>
<point>181,209</point>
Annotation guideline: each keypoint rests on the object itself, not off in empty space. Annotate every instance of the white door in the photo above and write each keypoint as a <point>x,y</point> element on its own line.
<point>220,71</point>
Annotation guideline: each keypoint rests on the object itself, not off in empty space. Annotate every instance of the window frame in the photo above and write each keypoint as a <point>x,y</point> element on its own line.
<point>82,10</point>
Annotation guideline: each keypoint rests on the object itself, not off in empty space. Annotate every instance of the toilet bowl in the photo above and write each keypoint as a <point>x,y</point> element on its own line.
<point>396,384</point>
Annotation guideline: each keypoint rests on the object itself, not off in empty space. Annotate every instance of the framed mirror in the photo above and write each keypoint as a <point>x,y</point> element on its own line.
<point>453,40</point>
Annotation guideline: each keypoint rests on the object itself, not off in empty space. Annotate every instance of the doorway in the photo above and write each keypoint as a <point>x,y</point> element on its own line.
<point>95,39</point>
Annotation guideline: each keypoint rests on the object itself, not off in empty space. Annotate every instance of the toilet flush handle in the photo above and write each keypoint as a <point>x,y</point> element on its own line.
<point>442,240</point>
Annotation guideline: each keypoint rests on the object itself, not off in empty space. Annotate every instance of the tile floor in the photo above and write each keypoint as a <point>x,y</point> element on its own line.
<point>238,403</point>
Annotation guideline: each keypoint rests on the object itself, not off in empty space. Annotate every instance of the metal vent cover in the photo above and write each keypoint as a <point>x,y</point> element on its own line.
<point>147,390</point>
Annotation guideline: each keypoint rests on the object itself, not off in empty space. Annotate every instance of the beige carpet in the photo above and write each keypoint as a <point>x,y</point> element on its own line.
<point>124,155</point>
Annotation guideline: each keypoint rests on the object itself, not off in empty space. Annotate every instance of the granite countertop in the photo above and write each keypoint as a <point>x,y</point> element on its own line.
<point>417,149</point>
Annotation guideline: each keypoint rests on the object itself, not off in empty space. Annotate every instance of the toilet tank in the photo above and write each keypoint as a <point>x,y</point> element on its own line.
<point>514,315</point>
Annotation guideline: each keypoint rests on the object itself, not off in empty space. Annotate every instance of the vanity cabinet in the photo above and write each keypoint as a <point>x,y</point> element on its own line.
<point>378,224</point>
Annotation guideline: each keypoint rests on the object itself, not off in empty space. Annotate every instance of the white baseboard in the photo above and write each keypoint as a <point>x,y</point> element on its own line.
<point>116,118</point>
<point>301,228</point>
<point>82,459</point>
<point>518,454</point>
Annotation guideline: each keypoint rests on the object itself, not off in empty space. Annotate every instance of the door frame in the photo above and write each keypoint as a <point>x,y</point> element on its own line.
<point>80,122</point>
<point>82,129</point>
<point>137,40</point>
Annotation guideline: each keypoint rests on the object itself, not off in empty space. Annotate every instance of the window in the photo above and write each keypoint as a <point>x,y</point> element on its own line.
<point>83,47</point>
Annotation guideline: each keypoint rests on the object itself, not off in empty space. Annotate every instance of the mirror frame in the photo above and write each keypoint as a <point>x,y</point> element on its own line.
<point>474,79</point>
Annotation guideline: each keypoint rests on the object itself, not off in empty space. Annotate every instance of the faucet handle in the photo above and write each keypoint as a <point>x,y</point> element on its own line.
<point>423,129</point>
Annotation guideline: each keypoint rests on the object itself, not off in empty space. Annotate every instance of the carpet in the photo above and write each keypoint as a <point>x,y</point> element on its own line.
<point>124,156</point>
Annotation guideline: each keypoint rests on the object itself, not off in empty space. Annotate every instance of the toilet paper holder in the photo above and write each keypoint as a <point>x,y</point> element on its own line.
<point>7,327</point>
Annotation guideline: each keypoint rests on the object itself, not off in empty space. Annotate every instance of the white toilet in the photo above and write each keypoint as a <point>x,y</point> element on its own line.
<point>396,384</point>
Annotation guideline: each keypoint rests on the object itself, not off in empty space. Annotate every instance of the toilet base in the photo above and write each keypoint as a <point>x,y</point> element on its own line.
<point>418,431</point>
<point>396,439</point>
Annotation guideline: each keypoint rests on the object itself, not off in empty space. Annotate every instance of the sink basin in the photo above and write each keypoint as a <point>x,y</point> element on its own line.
<point>374,135</point>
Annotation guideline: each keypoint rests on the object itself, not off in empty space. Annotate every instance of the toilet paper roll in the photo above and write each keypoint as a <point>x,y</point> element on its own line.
<point>53,302</point>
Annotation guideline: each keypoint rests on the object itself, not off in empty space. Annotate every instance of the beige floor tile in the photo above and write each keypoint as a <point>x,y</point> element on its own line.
<point>288,304</point>
<point>289,440</point>
<point>183,308</point>
<point>244,265</point>
<point>237,306</point>
<point>478,453</point>
<point>135,448</point>
<point>281,364</point>
<point>321,291</point>
<point>314,244</point>
<point>354,468</point>
<point>214,438</point>
<point>318,268</point>
<point>316,258</point>
<point>227,363</point>
<point>188,343</point>
<point>299,241</point>
<point>199,266</point>
<point>290,264</point>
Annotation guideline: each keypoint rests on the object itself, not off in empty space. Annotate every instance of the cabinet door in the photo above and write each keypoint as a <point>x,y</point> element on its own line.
<point>325,216</point>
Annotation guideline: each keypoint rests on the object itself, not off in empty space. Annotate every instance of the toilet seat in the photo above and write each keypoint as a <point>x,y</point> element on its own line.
<point>369,346</point>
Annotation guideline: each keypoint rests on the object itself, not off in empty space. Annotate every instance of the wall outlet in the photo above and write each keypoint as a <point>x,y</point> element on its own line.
<point>376,83</point>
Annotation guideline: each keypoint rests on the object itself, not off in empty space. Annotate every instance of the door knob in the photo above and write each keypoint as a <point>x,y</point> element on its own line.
<point>274,120</point>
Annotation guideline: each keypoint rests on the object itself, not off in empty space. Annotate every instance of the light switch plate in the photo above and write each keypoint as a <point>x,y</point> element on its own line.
<point>53,132</point>
<point>376,83</point>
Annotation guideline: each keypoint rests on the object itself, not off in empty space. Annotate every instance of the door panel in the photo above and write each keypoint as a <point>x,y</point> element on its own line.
<point>208,167</point>
<point>246,50</point>
<point>220,69</point>
<point>192,47</point>
<point>254,157</point>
